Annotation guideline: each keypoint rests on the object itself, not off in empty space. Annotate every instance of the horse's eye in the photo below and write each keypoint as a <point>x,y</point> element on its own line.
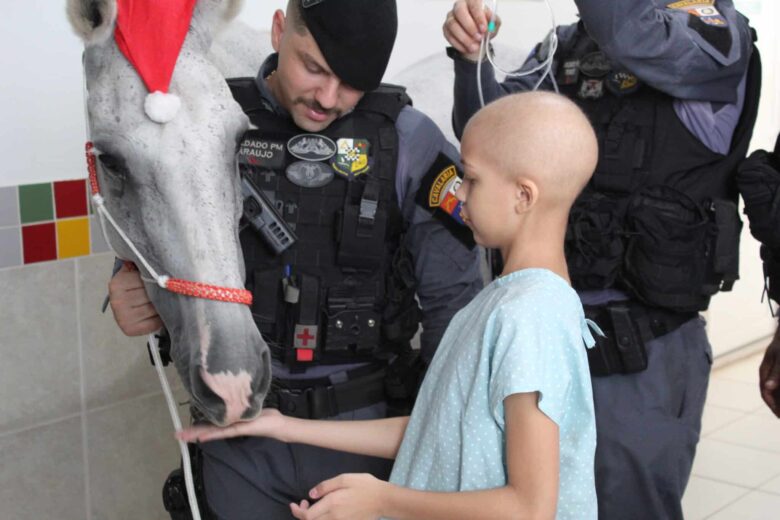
<point>115,169</point>
<point>113,165</point>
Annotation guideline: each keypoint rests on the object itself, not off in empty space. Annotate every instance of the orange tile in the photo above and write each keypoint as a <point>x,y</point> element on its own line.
<point>72,237</point>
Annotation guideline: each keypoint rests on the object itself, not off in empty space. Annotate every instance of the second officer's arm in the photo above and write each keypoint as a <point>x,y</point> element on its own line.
<point>669,48</point>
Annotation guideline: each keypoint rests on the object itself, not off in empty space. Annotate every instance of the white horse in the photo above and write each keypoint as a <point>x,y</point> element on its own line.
<point>173,188</point>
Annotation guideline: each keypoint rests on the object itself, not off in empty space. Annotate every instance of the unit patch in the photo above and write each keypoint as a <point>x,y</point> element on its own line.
<point>351,157</point>
<point>595,65</point>
<point>591,89</point>
<point>705,10</point>
<point>307,174</point>
<point>622,83</point>
<point>311,147</point>
<point>256,151</point>
<point>437,195</point>
<point>441,185</point>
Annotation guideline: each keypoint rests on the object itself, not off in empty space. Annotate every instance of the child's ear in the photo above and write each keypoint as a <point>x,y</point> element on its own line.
<point>526,194</point>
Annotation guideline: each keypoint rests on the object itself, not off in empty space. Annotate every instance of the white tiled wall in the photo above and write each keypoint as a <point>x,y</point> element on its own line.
<point>84,430</point>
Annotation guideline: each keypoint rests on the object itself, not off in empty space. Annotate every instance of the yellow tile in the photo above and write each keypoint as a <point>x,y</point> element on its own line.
<point>72,237</point>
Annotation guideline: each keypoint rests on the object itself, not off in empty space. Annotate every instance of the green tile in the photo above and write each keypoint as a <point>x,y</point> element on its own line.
<point>35,203</point>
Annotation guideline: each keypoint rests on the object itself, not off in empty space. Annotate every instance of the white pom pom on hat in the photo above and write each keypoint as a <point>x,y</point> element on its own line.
<point>161,107</point>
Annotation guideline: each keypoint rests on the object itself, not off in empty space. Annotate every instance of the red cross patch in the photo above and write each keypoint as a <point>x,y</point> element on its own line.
<point>305,341</point>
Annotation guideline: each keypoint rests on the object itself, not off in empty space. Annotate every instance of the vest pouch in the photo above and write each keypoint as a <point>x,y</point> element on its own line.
<point>303,332</point>
<point>594,241</point>
<point>726,229</point>
<point>353,323</point>
<point>361,241</point>
<point>268,310</point>
<point>667,253</point>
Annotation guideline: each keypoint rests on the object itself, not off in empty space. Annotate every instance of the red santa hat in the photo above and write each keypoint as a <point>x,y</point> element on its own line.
<point>150,33</point>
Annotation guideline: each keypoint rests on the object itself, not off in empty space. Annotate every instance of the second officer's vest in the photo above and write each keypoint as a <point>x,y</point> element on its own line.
<point>345,289</point>
<point>659,218</point>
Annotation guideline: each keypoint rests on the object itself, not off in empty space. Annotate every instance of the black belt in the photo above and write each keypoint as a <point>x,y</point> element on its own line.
<point>628,326</point>
<point>319,398</point>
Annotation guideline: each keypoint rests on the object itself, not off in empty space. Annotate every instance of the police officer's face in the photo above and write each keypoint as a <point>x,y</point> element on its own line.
<point>303,83</point>
<point>488,197</point>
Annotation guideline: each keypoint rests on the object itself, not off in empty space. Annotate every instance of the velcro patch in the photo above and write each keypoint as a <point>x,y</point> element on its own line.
<point>258,151</point>
<point>437,195</point>
<point>704,10</point>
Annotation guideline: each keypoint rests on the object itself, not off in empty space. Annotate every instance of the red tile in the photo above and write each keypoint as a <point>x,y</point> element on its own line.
<point>70,198</point>
<point>39,242</point>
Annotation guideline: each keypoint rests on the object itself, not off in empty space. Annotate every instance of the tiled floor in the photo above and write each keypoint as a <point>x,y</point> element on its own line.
<point>736,474</point>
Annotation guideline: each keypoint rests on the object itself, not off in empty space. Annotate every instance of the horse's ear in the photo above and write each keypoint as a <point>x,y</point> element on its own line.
<point>92,20</point>
<point>232,7</point>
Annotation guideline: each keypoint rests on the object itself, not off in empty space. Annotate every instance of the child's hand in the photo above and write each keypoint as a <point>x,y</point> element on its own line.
<point>346,497</point>
<point>270,423</point>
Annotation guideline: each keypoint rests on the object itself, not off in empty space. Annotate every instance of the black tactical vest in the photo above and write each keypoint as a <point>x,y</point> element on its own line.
<point>345,290</point>
<point>659,217</point>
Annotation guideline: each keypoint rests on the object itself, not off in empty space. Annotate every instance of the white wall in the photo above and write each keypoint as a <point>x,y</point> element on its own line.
<point>41,107</point>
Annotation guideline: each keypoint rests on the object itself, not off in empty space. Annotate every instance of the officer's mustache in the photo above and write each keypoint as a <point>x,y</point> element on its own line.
<point>319,108</point>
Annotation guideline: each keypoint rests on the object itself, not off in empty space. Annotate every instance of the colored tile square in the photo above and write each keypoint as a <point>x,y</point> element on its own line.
<point>72,237</point>
<point>99,244</point>
<point>35,203</point>
<point>70,198</point>
<point>39,243</point>
<point>9,207</point>
<point>10,247</point>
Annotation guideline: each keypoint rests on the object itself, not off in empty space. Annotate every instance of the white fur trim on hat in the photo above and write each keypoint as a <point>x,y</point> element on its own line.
<point>162,107</point>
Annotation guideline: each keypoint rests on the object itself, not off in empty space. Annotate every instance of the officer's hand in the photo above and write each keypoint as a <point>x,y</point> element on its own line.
<point>133,311</point>
<point>769,375</point>
<point>348,496</point>
<point>270,423</point>
<point>466,25</point>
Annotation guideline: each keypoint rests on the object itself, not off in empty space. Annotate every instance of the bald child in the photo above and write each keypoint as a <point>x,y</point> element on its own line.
<point>503,426</point>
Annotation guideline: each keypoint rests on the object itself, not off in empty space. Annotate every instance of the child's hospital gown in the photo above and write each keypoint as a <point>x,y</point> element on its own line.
<point>525,332</point>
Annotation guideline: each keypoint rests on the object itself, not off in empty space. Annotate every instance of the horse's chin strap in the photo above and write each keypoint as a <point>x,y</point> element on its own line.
<point>174,285</point>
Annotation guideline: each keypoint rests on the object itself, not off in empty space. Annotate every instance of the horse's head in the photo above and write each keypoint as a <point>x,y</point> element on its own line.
<point>173,188</point>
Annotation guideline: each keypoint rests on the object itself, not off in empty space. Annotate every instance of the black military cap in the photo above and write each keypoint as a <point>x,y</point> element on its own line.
<point>355,37</point>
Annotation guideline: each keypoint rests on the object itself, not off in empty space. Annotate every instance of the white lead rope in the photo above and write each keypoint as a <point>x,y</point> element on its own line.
<point>185,452</point>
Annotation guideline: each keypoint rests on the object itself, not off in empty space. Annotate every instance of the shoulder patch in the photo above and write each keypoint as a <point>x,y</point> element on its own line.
<point>436,194</point>
<point>705,10</point>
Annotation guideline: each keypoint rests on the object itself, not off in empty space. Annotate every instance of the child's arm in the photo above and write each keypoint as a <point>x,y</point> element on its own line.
<point>531,491</point>
<point>378,438</point>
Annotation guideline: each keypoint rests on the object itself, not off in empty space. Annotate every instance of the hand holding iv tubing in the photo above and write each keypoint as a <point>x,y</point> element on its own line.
<point>466,22</point>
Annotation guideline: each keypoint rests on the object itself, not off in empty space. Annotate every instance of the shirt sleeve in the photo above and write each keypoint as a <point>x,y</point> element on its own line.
<point>447,271</point>
<point>529,355</point>
<point>670,49</point>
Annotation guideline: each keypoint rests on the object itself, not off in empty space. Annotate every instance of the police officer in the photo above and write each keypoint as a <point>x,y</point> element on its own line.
<point>759,184</point>
<point>671,92</point>
<point>364,184</point>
